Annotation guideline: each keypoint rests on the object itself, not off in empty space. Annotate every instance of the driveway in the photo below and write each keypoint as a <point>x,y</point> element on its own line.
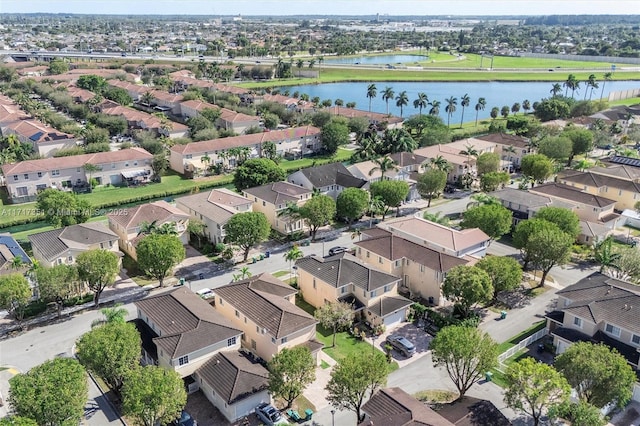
<point>415,335</point>
<point>196,266</point>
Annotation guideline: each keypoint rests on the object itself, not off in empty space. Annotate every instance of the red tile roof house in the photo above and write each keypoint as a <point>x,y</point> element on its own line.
<point>229,120</point>
<point>143,121</point>
<point>188,158</point>
<point>25,179</point>
<point>127,223</point>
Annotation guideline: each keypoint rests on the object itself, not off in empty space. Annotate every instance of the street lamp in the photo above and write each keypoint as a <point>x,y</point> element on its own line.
<point>333,417</point>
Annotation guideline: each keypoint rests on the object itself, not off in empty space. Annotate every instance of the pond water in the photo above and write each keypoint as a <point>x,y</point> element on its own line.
<point>377,60</point>
<point>497,94</point>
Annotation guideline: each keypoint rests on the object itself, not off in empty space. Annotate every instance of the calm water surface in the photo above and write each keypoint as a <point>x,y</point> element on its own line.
<point>377,60</point>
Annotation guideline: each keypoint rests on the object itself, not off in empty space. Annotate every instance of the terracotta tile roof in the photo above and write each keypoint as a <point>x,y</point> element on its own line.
<point>570,193</point>
<point>404,159</point>
<point>218,205</point>
<point>225,114</point>
<point>233,376</point>
<point>36,131</point>
<point>598,181</point>
<point>261,299</point>
<point>157,211</point>
<point>55,243</point>
<point>278,193</point>
<point>395,407</point>
<point>185,322</point>
<point>76,161</point>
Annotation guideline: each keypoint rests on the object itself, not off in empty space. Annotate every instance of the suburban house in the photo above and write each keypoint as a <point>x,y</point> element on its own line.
<point>372,293</point>
<point>625,191</point>
<point>461,164</point>
<point>13,258</point>
<point>24,180</point>
<point>139,120</point>
<point>368,171</point>
<point>214,209</point>
<point>420,253</point>
<point>127,223</point>
<point>274,198</point>
<point>228,120</point>
<point>599,309</point>
<point>329,179</point>
<point>395,407</point>
<point>63,245</point>
<point>181,331</point>
<point>233,383</point>
<point>511,148</point>
<point>264,308</point>
<point>196,157</point>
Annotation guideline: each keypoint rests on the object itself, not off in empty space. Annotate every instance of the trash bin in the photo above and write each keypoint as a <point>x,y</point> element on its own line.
<point>488,375</point>
<point>267,254</point>
<point>503,314</point>
<point>431,300</point>
<point>181,282</point>
<point>308,413</point>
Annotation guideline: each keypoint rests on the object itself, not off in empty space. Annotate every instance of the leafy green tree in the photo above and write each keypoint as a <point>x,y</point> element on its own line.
<point>110,351</point>
<point>580,413</point>
<point>158,254</point>
<point>98,269</point>
<point>15,294</point>
<point>351,204</point>
<point>334,316</point>
<point>57,284</point>
<point>247,229</point>
<point>58,66</point>
<point>493,219</point>
<point>488,162</point>
<point>556,147</point>
<point>581,142</point>
<point>466,352</point>
<point>490,182</point>
<point>92,82</point>
<point>62,208</point>
<point>547,248</point>
<point>318,212</point>
<point>357,375</point>
<point>598,374</point>
<point>467,286</point>
<point>566,220</point>
<point>537,166</point>
<point>504,272</point>
<point>552,109</point>
<point>534,387</point>
<point>290,372</point>
<point>52,393</point>
<point>523,232</point>
<point>431,183</point>
<point>17,421</point>
<point>334,134</point>
<point>256,172</point>
<point>153,395</point>
<point>292,255</point>
<point>391,192</point>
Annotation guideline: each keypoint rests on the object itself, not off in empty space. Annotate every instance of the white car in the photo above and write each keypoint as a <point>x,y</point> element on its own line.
<point>205,293</point>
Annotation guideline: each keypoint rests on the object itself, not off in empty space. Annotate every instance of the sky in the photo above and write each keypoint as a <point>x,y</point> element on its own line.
<point>325,7</point>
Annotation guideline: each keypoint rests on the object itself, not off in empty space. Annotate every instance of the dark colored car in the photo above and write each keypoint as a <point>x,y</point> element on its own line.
<point>185,420</point>
<point>402,345</point>
<point>336,250</point>
<point>268,414</point>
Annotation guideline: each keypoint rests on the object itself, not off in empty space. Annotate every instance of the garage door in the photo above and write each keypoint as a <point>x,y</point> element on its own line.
<point>394,318</point>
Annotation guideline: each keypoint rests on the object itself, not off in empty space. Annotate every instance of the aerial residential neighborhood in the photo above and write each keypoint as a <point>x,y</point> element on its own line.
<point>423,216</point>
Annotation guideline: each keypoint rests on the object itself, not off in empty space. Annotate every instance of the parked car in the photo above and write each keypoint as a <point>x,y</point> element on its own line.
<point>206,293</point>
<point>185,420</point>
<point>402,345</point>
<point>268,414</point>
<point>337,250</point>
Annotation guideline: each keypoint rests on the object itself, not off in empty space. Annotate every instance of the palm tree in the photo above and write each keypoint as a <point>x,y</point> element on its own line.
<point>401,100</point>
<point>113,314</point>
<point>482,200</point>
<point>526,106</point>
<point>605,255</point>
<point>435,108</point>
<point>338,103</point>
<point>372,92</point>
<point>367,146</point>
<point>383,165</point>
<point>450,108</point>
<point>421,101</point>
<point>440,163</point>
<point>607,77</point>
<point>515,108</point>
<point>571,83</point>
<point>470,151</point>
<point>464,102</point>
<point>376,205</point>
<point>555,89</point>
<point>91,169</point>
<point>437,217</point>
<point>387,94</point>
<point>300,64</point>
<point>196,228</point>
<point>399,140</point>
<point>592,84</point>
<point>356,233</point>
<point>482,102</point>
<point>292,255</point>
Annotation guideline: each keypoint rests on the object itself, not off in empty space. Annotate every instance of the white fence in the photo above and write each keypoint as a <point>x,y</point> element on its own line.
<point>522,344</point>
<point>624,94</point>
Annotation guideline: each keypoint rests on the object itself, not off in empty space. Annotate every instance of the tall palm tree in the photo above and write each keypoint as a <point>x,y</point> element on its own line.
<point>526,106</point>
<point>591,84</point>
<point>470,151</point>
<point>402,100</point>
<point>112,315</point>
<point>555,89</point>
<point>367,146</point>
<point>383,165</point>
<point>571,83</point>
<point>421,101</point>
<point>482,200</point>
<point>338,103</point>
<point>450,108</point>
<point>387,94</point>
<point>440,163</point>
<point>435,107</point>
<point>465,100</point>
<point>482,102</point>
<point>608,76</point>
<point>292,255</point>
<point>399,140</point>
<point>372,92</point>
<point>436,217</point>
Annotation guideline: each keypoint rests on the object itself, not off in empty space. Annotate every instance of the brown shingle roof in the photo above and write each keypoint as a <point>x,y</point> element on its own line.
<point>598,181</point>
<point>278,192</point>
<point>570,193</point>
<point>53,244</point>
<point>157,211</point>
<point>217,205</point>
<point>261,299</point>
<point>395,407</point>
<point>505,139</point>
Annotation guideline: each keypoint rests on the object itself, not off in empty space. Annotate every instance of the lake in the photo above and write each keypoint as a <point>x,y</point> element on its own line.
<point>376,60</point>
<point>496,93</point>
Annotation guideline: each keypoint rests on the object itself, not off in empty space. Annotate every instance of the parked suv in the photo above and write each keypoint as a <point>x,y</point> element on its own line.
<point>336,250</point>
<point>402,345</point>
<point>268,414</point>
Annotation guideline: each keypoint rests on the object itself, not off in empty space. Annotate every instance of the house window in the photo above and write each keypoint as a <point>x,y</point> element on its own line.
<point>126,164</point>
<point>135,163</point>
<point>343,290</point>
<point>183,360</point>
<point>635,339</point>
<point>397,263</point>
<point>253,344</point>
<point>283,340</point>
<point>421,268</point>
<point>386,288</point>
<point>245,320</point>
<point>368,254</point>
<point>372,294</point>
<point>78,170</point>
<point>613,330</point>
<point>264,203</point>
<point>101,245</point>
<point>15,177</point>
<point>380,259</point>
<point>113,165</point>
<point>39,174</point>
<point>55,172</point>
<point>221,304</point>
<point>314,283</point>
<point>26,176</point>
<point>273,340</point>
<point>188,156</point>
<point>577,322</point>
<point>70,259</point>
<point>231,341</point>
<point>237,313</point>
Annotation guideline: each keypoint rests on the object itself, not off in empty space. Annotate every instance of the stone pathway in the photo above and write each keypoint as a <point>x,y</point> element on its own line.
<point>315,392</point>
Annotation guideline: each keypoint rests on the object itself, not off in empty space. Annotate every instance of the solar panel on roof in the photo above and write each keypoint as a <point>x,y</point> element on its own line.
<point>627,161</point>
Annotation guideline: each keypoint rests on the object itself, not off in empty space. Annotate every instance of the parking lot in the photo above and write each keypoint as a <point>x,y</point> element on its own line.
<point>415,335</point>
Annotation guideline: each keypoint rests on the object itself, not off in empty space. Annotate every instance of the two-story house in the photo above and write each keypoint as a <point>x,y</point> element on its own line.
<point>599,309</point>
<point>24,180</point>
<point>273,199</point>
<point>63,245</point>
<point>511,148</point>
<point>370,172</point>
<point>228,120</point>
<point>329,179</point>
<point>127,223</point>
<point>372,293</point>
<point>13,258</point>
<point>624,191</point>
<point>264,308</point>
<point>214,209</point>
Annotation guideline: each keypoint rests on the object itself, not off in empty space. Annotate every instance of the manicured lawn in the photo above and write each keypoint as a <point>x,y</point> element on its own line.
<point>279,274</point>
<point>499,374</point>
<point>520,336</point>
<point>341,155</point>
<point>630,101</point>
